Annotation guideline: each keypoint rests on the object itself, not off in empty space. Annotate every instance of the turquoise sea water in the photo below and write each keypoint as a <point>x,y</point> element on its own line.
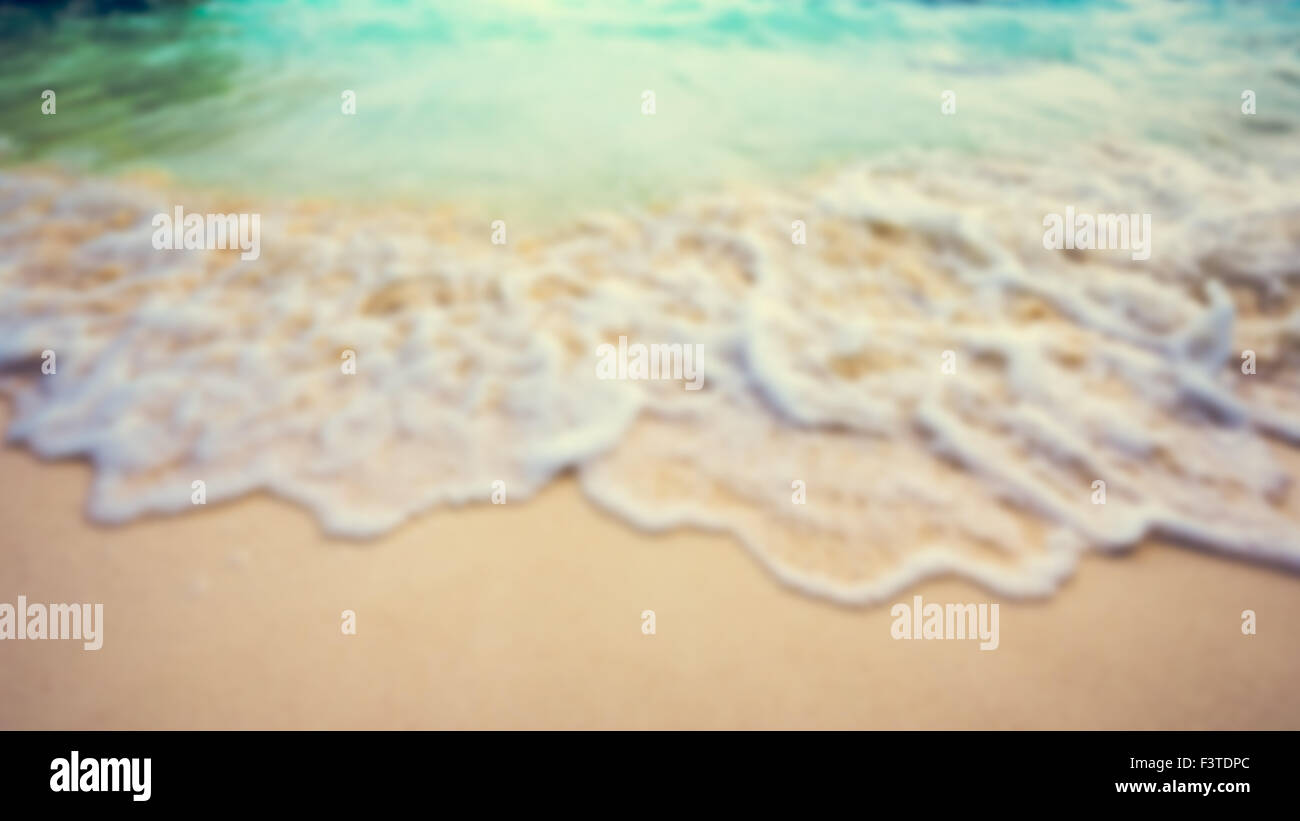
<point>538,105</point>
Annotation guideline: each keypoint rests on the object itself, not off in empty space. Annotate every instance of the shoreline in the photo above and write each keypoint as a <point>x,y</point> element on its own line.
<point>529,615</point>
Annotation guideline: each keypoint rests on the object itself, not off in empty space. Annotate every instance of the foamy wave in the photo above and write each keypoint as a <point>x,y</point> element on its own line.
<point>476,363</point>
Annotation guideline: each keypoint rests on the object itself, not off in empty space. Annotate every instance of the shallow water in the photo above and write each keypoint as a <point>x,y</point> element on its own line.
<point>526,109</point>
<point>476,362</point>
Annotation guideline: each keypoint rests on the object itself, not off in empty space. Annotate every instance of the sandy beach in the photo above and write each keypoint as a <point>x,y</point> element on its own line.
<point>529,616</point>
<point>495,330</point>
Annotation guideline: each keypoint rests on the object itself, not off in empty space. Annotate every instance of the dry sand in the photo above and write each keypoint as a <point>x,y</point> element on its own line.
<point>529,615</point>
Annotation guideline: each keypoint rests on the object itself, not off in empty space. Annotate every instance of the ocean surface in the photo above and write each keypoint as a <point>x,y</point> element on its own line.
<point>476,362</point>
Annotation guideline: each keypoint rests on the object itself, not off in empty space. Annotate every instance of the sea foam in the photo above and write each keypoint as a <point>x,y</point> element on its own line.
<point>476,362</point>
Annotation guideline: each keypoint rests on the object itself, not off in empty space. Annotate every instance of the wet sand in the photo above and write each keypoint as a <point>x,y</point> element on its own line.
<point>529,616</point>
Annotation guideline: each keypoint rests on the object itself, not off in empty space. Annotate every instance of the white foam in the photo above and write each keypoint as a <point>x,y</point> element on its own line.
<point>476,363</point>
